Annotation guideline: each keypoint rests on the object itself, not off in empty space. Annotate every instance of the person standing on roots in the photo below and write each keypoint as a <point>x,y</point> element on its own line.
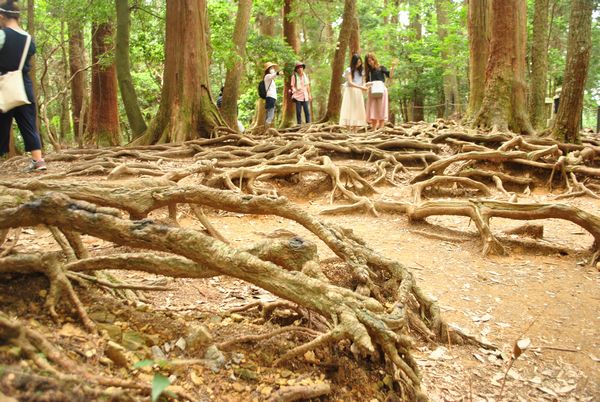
<point>270,74</point>
<point>353,113</point>
<point>377,100</point>
<point>13,41</point>
<point>301,92</point>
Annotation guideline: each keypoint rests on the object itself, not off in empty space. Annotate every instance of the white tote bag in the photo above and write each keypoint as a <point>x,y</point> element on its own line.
<point>377,89</point>
<point>12,87</point>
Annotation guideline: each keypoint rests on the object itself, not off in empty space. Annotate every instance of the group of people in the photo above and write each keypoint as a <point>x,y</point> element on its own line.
<point>15,43</point>
<point>360,78</point>
<point>299,91</point>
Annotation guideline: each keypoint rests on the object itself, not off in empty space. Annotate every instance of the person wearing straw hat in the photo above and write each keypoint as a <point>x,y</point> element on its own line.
<point>270,73</point>
<point>16,49</point>
<point>301,92</point>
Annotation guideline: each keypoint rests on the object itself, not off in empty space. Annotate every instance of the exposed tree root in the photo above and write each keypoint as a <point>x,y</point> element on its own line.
<point>385,307</point>
<point>48,265</point>
<point>300,392</point>
<point>35,346</point>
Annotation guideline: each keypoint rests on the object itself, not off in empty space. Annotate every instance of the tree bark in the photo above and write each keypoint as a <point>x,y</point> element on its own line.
<point>290,34</point>
<point>539,65</point>
<point>104,111</point>
<point>332,114</point>
<point>355,38</point>
<point>186,110</point>
<point>78,81</point>
<point>65,119</point>
<point>418,98</point>
<point>266,27</point>
<point>128,94</point>
<point>32,63</point>
<point>451,96</point>
<point>479,24</point>
<point>568,119</point>
<point>229,108</point>
<point>504,102</point>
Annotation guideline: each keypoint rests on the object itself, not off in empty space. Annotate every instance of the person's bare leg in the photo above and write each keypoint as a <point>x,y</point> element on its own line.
<point>36,155</point>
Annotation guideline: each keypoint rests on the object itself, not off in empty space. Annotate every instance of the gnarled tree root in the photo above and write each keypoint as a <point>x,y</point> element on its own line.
<point>359,318</point>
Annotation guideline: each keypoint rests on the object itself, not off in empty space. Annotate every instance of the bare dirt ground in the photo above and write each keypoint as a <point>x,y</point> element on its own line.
<point>545,292</point>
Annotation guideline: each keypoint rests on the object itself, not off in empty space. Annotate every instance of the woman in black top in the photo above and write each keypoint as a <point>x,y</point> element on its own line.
<point>12,44</point>
<point>377,101</point>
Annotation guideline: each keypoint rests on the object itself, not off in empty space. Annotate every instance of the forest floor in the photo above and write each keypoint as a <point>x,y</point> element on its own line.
<point>550,297</point>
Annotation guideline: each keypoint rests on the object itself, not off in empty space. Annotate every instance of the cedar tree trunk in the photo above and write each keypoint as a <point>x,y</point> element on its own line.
<point>568,119</point>
<point>332,114</point>
<point>128,95</point>
<point>103,128</point>
<point>288,114</point>
<point>78,81</point>
<point>539,65</point>
<point>229,109</point>
<point>479,23</point>
<point>186,110</point>
<point>504,102</point>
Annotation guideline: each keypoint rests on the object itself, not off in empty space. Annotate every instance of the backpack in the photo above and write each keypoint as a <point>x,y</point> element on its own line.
<point>262,88</point>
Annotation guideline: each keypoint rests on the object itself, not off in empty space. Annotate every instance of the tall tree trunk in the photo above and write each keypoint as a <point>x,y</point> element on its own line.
<point>568,119</point>
<point>451,97</point>
<point>504,102</point>
<point>32,63</point>
<point>104,112</point>
<point>337,66</point>
<point>290,34</point>
<point>128,94</point>
<point>479,24</point>
<point>418,98</point>
<point>229,108</point>
<point>186,110</point>
<point>78,82</point>
<point>355,38</point>
<point>65,119</point>
<point>266,27</point>
<point>539,65</point>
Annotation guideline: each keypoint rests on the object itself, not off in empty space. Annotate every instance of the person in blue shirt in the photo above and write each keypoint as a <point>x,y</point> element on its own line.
<point>12,45</point>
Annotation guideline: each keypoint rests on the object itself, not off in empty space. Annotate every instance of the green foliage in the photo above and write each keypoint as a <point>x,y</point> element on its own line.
<point>384,30</point>
<point>159,383</point>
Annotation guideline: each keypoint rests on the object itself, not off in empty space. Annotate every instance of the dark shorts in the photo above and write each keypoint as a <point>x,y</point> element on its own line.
<point>270,103</point>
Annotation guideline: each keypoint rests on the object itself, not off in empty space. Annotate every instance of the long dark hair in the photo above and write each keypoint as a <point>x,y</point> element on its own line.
<point>10,9</point>
<point>354,62</point>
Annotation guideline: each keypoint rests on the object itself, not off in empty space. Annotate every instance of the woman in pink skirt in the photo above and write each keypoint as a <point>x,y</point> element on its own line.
<point>377,101</point>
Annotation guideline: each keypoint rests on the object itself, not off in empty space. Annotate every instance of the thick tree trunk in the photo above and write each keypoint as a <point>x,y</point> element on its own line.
<point>539,65</point>
<point>290,34</point>
<point>229,109</point>
<point>568,119</point>
<point>104,111</point>
<point>504,102</point>
<point>332,114</point>
<point>418,98</point>
<point>480,12</point>
<point>128,95</point>
<point>78,82</point>
<point>451,96</point>
<point>186,110</point>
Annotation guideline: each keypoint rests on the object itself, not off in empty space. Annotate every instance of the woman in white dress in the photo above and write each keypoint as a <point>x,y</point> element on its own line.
<point>353,112</point>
